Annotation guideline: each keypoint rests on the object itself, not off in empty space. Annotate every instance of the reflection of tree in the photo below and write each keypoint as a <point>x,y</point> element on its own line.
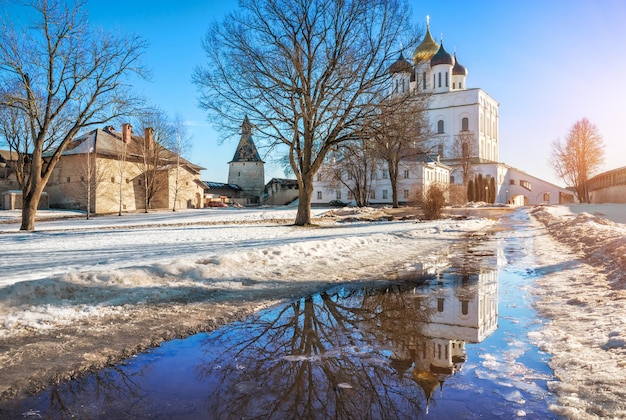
<point>325,356</point>
<point>115,392</point>
<point>379,351</point>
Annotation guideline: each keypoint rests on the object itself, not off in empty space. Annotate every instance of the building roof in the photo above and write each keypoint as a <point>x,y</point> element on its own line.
<point>107,142</point>
<point>246,149</point>
<point>218,185</point>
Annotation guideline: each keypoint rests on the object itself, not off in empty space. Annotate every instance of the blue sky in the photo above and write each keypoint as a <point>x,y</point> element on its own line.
<point>548,64</point>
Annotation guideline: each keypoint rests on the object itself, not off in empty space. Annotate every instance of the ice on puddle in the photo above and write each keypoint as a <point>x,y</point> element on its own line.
<point>515,397</point>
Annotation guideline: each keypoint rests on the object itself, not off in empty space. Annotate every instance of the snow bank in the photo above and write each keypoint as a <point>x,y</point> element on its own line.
<point>580,289</point>
<point>78,294</point>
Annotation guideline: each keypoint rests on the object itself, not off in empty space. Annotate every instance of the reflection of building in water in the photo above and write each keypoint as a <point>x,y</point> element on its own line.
<point>464,310</point>
<point>436,263</point>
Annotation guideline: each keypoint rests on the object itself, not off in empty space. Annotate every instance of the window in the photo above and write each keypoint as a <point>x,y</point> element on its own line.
<point>319,195</point>
<point>68,179</point>
<point>406,174</point>
<point>385,174</point>
<point>406,194</point>
<point>350,195</point>
<point>464,124</point>
<point>373,195</point>
<point>82,178</point>
<point>447,79</point>
<point>464,307</point>
<point>546,196</point>
<point>424,80</point>
<point>512,182</point>
<point>113,179</point>
<point>440,127</point>
<point>526,184</point>
<point>338,195</point>
<point>385,195</point>
<point>453,85</point>
<point>440,304</point>
<point>319,177</point>
<point>439,79</point>
<point>440,150</point>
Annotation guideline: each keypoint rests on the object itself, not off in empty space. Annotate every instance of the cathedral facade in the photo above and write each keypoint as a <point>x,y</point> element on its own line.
<point>464,123</point>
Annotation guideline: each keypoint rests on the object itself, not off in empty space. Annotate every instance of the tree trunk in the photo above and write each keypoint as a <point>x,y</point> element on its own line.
<point>303,217</point>
<point>29,208</point>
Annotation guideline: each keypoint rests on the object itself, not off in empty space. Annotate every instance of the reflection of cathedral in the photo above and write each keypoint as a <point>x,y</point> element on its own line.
<point>461,312</point>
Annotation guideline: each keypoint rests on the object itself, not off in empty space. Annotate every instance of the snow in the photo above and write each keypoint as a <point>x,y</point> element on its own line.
<point>85,293</point>
<point>580,286</point>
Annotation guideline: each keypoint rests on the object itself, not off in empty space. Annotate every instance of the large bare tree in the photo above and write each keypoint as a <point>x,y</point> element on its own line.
<point>577,158</point>
<point>61,75</point>
<point>305,71</point>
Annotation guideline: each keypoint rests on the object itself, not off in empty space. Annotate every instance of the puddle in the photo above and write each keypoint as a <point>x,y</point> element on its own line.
<point>445,338</point>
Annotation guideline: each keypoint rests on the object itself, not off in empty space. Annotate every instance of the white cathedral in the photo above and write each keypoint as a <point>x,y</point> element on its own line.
<point>454,109</point>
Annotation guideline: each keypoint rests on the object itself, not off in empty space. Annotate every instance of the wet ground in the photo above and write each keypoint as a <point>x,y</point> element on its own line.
<point>447,338</point>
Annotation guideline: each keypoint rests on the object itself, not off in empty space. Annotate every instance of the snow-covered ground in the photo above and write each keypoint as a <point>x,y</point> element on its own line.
<point>84,293</point>
<point>581,280</point>
<point>77,294</point>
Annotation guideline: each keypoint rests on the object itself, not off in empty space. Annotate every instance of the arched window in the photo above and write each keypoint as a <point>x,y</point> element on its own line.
<point>465,124</point>
<point>440,127</point>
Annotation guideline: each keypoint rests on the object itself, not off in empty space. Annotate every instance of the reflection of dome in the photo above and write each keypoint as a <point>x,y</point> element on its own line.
<point>442,57</point>
<point>400,66</point>
<point>426,49</point>
<point>401,365</point>
<point>428,382</point>
<point>458,69</point>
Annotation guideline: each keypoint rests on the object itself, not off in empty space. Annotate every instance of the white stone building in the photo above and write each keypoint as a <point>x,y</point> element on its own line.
<point>458,115</point>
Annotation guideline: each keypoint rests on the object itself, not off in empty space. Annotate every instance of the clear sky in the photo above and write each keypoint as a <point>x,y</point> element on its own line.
<point>548,64</point>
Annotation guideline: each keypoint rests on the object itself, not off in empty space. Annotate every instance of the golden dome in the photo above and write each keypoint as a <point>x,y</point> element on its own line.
<point>426,49</point>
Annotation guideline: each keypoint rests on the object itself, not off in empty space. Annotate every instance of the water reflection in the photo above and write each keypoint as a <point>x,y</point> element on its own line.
<point>379,350</point>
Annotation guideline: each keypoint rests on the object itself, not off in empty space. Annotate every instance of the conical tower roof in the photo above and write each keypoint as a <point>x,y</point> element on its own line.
<point>246,149</point>
<point>426,49</point>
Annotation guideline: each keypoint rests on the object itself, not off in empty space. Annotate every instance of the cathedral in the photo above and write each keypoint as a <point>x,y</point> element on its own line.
<point>464,125</point>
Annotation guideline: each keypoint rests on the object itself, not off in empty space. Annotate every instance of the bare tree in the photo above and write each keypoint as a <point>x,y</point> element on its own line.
<point>159,134</point>
<point>14,132</point>
<point>306,71</point>
<point>91,174</point>
<point>400,133</point>
<point>464,150</point>
<point>179,145</point>
<point>354,167</point>
<point>577,158</point>
<point>60,75</point>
